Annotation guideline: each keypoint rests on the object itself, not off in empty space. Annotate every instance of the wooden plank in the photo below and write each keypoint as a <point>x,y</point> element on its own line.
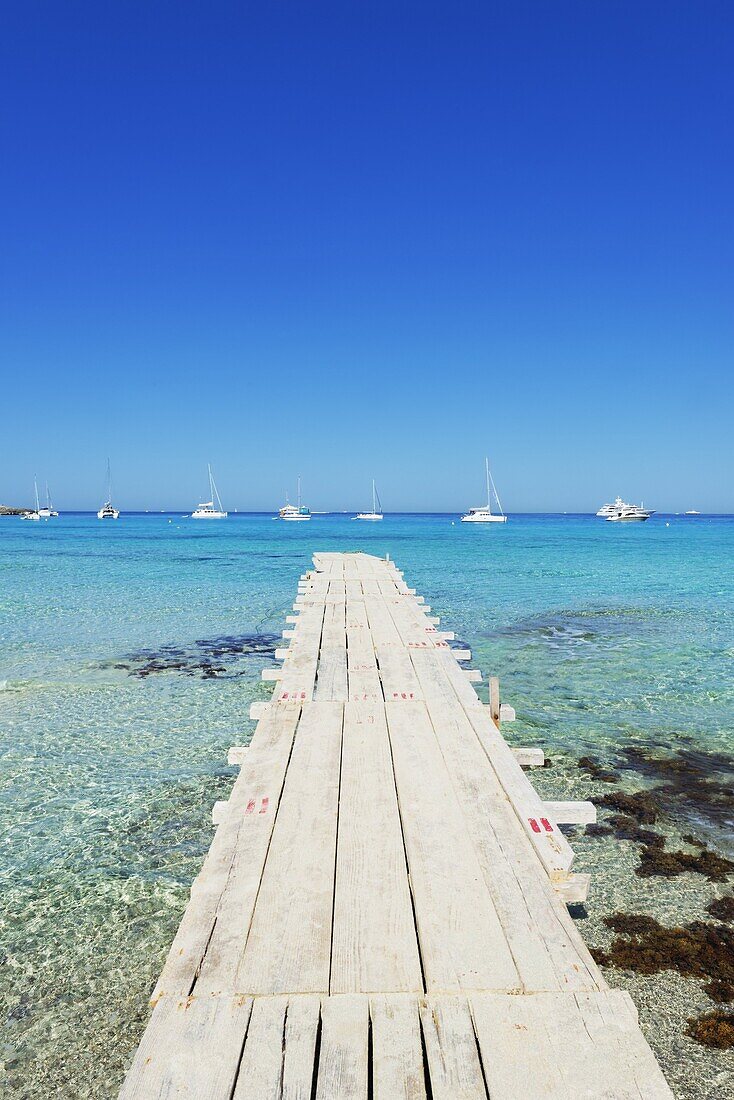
<point>191,1048</point>
<point>551,846</point>
<point>461,940</point>
<point>612,1020</point>
<point>288,948</point>
<point>559,1046</point>
<point>362,675</point>
<point>397,1051</point>
<point>343,1072</point>
<point>374,944</point>
<point>299,674</point>
<point>262,1059</point>
<point>540,934</point>
<point>451,1051</point>
<point>301,1030</point>
<point>383,629</point>
<point>397,674</point>
<point>278,1058</point>
<point>331,675</point>
<point>237,853</point>
<point>440,677</point>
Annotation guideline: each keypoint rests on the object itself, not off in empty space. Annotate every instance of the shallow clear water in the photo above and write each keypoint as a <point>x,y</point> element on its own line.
<point>130,653</point>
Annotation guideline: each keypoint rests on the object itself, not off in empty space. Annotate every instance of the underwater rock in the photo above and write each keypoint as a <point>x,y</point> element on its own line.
<point>713,1029</point>
<point>592,767</point>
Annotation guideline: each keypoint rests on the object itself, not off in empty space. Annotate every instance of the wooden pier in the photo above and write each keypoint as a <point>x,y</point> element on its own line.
<point>383,909</point>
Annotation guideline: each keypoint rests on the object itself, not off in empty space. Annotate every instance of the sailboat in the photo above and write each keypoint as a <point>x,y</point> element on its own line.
<point>107,511</point>
<point>207,509</point>
<point>374,514</point>
<point>294,511</point>
<point>484,514</point>
<point>48,511</point>
<point>37,514</point>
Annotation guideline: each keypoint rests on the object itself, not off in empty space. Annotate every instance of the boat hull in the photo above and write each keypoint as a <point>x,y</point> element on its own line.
<point>484,519</point>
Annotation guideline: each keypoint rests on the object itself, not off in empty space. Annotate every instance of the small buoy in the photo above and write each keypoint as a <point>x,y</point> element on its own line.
<point>667,525</point>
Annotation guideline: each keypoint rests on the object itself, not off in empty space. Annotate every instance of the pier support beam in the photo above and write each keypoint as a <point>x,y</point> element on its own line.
<point>529,758</point>
<point>572,813</point>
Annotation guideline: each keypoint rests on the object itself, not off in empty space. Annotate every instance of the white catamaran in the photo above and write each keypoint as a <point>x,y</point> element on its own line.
<point>376,512</point>
<point>207,509</point>
<point>484,514</point>
<point>48,511</point>
<point>36,515</point>
<point>107,511</point>
<point>294,512</point>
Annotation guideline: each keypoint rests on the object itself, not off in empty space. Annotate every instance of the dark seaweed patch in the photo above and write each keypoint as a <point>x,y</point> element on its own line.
<point>627,828</point>
<point>595,829</point>
<point>722,908</point>
<point>713,1029</point>
<point>592,767</point>
<point>696,950</point>
<point>642,806</point>
<point>657,861</point>
<point>701,783</point>
<point>206,658</point>
<point>641,809</point>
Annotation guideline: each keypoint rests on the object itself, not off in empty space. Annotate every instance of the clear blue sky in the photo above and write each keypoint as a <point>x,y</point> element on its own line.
<point>356,239</point>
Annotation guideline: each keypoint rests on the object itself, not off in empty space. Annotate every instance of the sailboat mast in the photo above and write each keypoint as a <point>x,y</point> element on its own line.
<point>497,496</point>
<point>486,467</point>
<point>299,494</point>
<point>35,486</point>
<point>374,500</point>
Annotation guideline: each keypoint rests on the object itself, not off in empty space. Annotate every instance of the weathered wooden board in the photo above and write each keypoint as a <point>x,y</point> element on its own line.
<point>191,1048</point>
<point>288,948</point>
<point>461,939</point>
<point>374,945</point>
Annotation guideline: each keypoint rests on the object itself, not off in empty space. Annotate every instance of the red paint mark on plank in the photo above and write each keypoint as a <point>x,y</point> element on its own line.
<point>250,806</point>
<point>264,805</point>
<point>546,824</point>
<point>534,825</point>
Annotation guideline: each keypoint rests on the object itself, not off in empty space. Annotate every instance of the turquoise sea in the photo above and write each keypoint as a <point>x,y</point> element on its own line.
<point>130,653</point>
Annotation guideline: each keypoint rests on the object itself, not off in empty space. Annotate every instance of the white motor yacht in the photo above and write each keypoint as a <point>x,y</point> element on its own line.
<point>630,512</point>
<point>374,514</point>
<point>484,513</point>
<point>206,510</point>
<point>609,509</point>
<point>294,512</point>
